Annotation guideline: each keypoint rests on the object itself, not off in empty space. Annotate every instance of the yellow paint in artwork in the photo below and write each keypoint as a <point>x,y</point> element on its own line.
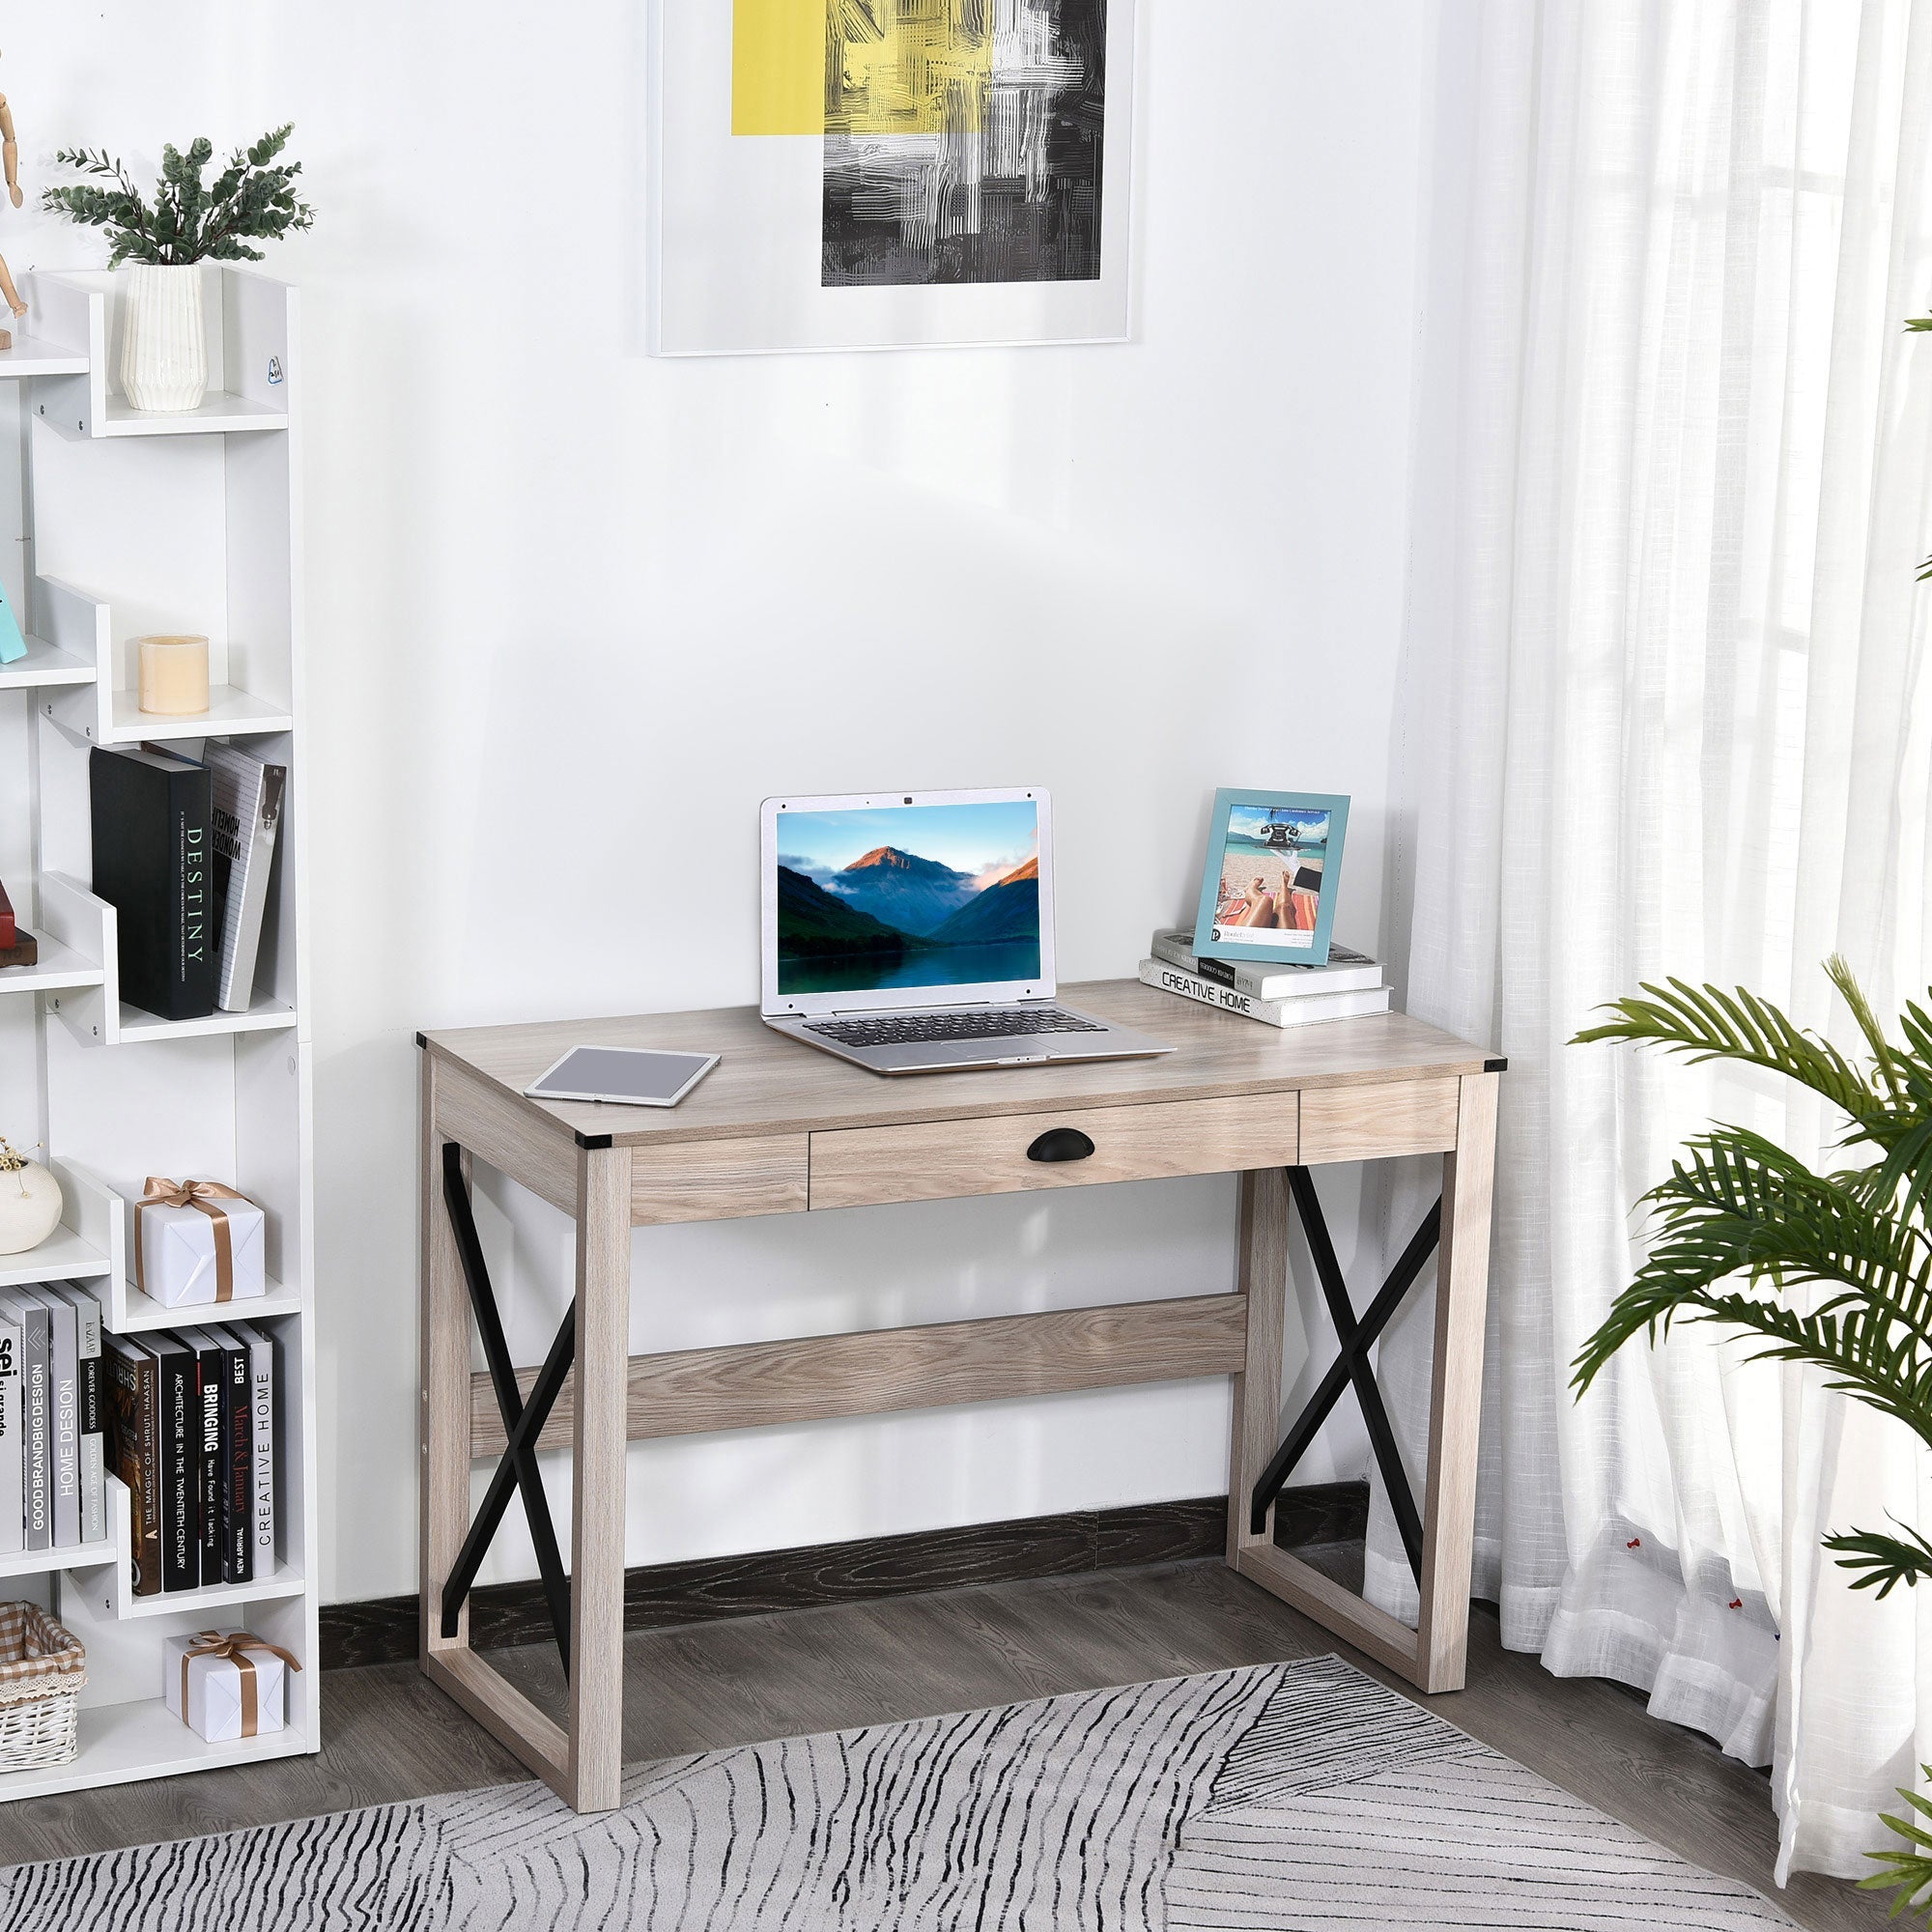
<point>909,67</point>
<point>859,67</point>
<point>777,67</point>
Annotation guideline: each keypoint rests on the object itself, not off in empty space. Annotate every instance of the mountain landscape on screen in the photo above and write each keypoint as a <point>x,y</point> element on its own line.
<point>1008,909</point>
<point>896,918</point>
<point>916,895</point>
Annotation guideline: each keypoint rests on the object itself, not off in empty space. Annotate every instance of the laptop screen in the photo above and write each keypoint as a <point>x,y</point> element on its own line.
<point>908,895</point>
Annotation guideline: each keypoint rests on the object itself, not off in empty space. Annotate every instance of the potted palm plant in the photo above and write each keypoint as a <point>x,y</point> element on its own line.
<point>163,348</point>
<point>1832,1268</point>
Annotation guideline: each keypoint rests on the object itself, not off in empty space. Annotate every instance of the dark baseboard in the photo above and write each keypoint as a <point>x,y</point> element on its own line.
<point>663,1594</point>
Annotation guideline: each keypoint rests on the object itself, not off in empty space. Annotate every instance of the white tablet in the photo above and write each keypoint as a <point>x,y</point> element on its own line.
<point>631,1076</point>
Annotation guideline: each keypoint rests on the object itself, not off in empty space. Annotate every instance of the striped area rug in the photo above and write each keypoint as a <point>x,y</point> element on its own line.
<point>1285,1796</point>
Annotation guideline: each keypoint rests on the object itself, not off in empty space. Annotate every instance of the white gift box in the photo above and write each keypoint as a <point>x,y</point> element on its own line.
<point>177,1258</point>
<point>214,1695</point>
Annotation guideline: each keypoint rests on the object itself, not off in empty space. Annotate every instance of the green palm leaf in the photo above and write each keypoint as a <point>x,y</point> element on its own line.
<point>1885,1063</point>
<point>1739,1210</point>
<point>1908,1160</point>
<point>1907,1873</point>
<point>1707,1023</point>
<point>1886,1561</point>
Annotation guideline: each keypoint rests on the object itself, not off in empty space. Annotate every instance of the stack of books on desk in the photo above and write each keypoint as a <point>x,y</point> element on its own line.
<point>1350,987</point>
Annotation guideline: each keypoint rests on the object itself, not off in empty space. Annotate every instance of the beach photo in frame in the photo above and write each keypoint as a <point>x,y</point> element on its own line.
<point>885,174</point>
<point>1274,864</point>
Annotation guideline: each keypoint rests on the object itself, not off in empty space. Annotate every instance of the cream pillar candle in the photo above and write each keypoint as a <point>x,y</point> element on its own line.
<point>174,675</point>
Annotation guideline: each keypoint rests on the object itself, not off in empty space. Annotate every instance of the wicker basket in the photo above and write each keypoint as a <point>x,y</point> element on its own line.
<point>42,1669</point>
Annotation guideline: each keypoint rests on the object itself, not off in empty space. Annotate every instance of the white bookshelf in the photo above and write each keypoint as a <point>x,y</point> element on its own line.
<point>130,523</point>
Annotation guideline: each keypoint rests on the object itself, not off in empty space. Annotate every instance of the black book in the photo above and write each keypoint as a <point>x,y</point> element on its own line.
<point>237,1459</point>
<point>132,1417</point>
<point>179,1431</point>
<point>211,1399</point>
<point>153,848</point>
<point>92,1384</point>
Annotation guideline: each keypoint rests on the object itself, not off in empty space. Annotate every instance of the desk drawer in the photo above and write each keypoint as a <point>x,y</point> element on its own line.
<point>859,1167</point>
<point>1378,1121</point>
<point>718,1181</point>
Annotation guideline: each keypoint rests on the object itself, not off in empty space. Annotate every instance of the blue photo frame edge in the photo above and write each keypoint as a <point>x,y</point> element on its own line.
<point>1225,799</point>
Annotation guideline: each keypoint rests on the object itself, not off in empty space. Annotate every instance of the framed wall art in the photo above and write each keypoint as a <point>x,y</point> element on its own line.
<point>880,174</point>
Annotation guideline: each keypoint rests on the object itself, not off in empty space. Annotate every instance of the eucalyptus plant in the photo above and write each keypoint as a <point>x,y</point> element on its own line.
<point>253,199</point>
<point>1833,1268</point>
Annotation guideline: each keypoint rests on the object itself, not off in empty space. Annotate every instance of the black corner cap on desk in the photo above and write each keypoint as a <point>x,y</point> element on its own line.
<point>590,1143</point>
<point>1498,1066</point>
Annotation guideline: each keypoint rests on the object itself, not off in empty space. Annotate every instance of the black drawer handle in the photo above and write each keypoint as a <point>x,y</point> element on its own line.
<point>1061,1143</point>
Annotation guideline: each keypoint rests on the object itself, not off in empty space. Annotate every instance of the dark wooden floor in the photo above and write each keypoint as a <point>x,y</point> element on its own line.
<point>391,1736</point>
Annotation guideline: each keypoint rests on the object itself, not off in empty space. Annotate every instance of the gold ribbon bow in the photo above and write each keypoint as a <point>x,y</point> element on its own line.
<point>234,1646</point>
<point>161,1192</point>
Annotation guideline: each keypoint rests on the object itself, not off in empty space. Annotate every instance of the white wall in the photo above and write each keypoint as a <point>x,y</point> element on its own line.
<point>572,612</point>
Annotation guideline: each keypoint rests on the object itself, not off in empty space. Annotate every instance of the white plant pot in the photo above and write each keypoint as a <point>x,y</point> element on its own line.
<point>163,349</point>
<point>30,1207</point>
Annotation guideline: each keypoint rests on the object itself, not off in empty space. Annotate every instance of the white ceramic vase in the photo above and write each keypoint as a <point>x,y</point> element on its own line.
<point>30,1207</point>
<point>163,351</point>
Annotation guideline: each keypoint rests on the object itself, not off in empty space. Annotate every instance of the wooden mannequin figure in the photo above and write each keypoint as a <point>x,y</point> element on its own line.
<point>10,161</point>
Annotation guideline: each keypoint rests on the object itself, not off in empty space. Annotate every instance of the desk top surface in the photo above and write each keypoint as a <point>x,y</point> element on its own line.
<point>768,1084</point>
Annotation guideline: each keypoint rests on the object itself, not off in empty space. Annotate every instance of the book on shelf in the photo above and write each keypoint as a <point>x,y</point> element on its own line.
<point>133,1409</point>
<point>25,951</point>
<point>9,927</point>
<point>264,1403</point>
<point>237,1459</point>
<point>1313,1010</point>
<point>184,1418</point>
<point>1347,971</point>
<point>180,1462</point>
<point>13,1510</point>
<point>151,814</point>
<point>194,1437</point>
<point>94,1487</point>
<point>223,1363</point>
<point>93,1411</point>
<point>210,1377</point>
<point>35,1418</point>
<point>64,1401</point>
<point>247,805</point>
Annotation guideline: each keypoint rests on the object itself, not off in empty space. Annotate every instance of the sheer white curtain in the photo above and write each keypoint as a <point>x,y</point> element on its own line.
<point>1668,713</point>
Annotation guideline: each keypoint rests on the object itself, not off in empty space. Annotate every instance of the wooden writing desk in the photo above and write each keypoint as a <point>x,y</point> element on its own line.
<point>780,1129</point>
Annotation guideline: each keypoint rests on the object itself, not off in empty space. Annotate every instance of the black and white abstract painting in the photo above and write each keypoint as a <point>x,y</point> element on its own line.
<point>832,174</point>
<point>1010,191</point>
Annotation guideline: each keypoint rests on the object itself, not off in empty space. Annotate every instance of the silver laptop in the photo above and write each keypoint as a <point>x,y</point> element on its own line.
<point>912,932</point>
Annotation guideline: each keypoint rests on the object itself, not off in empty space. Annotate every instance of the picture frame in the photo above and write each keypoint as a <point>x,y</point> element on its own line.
<point>956,176</point>
<point>1272,871</point>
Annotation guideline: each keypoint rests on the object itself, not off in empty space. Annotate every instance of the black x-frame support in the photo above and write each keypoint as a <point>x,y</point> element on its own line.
<point>1352,1365</point>
<point>523,1424</point>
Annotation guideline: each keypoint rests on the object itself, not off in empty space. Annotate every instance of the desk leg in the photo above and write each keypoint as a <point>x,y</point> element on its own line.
<point>582,1762</point>
<point>1264,1281</point>
<point>1456,1394</point>
<point>443,1382</point>
<point>1432,1656</point>
<point>599,1435</point>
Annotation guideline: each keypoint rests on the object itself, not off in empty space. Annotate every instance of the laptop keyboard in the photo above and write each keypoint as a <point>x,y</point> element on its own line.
<point>921,1029</point>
